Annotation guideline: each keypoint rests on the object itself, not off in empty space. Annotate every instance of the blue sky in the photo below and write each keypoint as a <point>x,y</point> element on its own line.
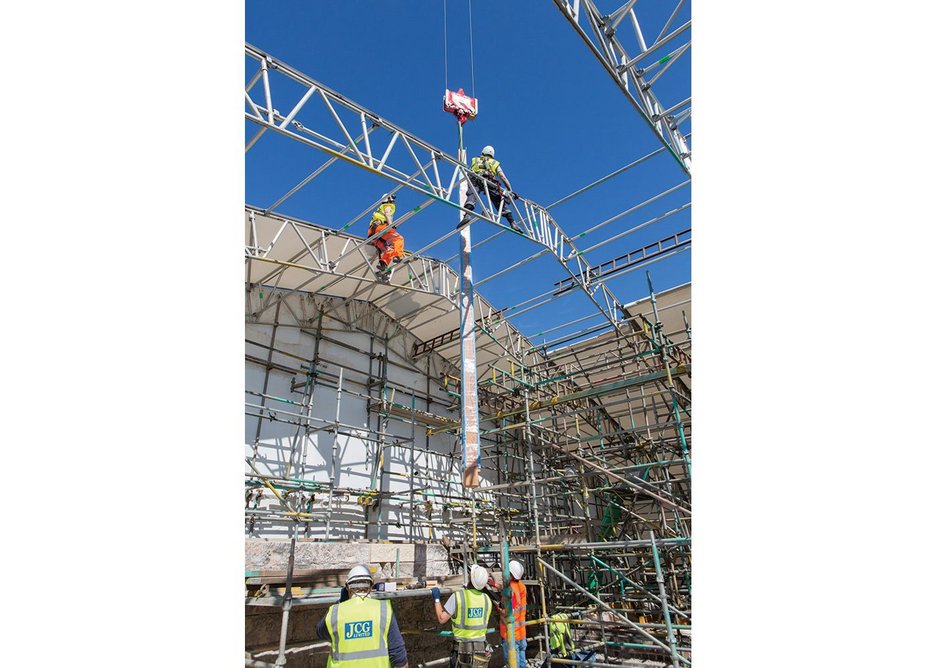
<point>555,118</point>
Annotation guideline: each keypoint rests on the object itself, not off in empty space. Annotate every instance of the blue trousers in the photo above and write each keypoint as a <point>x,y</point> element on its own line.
<point>521,652</point>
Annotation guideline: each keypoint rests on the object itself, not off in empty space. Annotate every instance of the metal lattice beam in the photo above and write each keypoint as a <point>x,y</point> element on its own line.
<point>635,69</point>
<point>402,152</point>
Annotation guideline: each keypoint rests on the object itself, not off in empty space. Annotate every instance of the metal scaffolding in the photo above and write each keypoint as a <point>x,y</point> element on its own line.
<point>585,437</point>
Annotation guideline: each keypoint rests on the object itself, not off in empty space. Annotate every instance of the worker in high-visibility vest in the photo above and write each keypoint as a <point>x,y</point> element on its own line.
<point>390,244</point>
<point>519,607</point>
<point>363,631</point>
<point>469,610</point>
<point>560,636</point>
<point>489,180</point>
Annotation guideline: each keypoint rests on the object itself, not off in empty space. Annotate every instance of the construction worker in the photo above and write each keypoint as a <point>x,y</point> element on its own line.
<point>469,610</point>
<point>390,244</point>
<point>490,176</point>
<point>519,606</point>
<point>560,636</point>
<point>363,631</point>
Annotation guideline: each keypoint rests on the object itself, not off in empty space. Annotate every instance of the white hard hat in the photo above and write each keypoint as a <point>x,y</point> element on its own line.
<point>359,573</point>
<point>489,151</point>
<point>479,576</point>
<point>517,569</point>
<point>388,197</point>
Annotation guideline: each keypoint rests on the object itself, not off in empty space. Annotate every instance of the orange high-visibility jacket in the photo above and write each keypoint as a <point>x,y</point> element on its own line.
<point>519,604</point>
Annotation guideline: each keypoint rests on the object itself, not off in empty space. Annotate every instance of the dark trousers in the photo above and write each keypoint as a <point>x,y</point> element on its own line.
<point>496,198</point>
<point>471,654</point>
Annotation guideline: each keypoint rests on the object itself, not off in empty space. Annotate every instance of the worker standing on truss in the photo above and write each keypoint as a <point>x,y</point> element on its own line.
<point>363,631</point>
<point>489,177</point>
<point>469,610</point>
<point>519,607</point>
<point>390,244</point>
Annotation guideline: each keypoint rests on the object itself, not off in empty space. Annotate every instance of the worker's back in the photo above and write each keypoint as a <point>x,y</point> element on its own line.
<point>358,630</point>
<point>485,166</point>
<point>472,609</point>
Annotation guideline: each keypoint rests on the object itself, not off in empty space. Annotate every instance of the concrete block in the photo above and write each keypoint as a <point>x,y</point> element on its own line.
<point>274,555</point>
<point>384,552</point>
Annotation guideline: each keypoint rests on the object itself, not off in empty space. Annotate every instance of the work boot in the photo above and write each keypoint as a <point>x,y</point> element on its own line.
<point>466,218</point>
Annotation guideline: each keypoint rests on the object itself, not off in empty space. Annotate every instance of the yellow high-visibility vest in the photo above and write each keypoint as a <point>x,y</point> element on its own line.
<point>470,621</point>
<point>358,629</point>
<point>561,639</point>
<point>379,212</point>
<point>486,166</point>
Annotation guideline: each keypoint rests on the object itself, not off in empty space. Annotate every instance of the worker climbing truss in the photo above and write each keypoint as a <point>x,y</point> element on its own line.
<point>538,225</point>
<point>635,68</point>
<point>353,393</point>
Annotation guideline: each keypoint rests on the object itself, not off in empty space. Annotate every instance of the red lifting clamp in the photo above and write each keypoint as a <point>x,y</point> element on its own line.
<point>462,106</point>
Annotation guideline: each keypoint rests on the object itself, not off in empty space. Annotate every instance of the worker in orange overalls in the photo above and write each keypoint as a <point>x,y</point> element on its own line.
<point>390,244</point>
<point>519,606</point>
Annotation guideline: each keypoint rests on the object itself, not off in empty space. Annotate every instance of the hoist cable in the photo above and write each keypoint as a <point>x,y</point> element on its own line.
<point>471,47</point>
<point>445,44</point>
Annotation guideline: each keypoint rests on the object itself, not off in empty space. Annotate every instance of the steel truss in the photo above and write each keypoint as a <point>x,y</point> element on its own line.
<point>636,69</point>
<point>402,148</point>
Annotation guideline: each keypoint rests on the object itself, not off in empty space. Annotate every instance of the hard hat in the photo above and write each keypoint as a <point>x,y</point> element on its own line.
<point>388,197</point>
<point>479,576</point>
<point>517,569</point>
<point>359,573</point>
<point>489,151</point>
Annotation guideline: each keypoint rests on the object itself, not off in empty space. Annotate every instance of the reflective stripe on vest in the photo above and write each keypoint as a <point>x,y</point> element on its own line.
<point>379,212</point>
<point>470,621</point>
<point>358,629</point>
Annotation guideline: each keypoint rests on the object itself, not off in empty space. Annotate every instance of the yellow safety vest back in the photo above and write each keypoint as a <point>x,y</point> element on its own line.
<point>379,212</point>
<point>470,621</point>
<point>358,629</point>
<point>486,166</point>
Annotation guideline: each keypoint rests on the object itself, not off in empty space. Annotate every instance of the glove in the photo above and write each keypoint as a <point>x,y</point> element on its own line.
<point>515,195</point>
<point>344,595</point>
<point>436,593</point>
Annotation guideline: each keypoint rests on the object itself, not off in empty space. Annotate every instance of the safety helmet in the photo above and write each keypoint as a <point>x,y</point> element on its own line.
<point>489,151</point>
<point>479,576</point>
<point>388,197</point>
<point>360,574</point>
<point>517,569</point>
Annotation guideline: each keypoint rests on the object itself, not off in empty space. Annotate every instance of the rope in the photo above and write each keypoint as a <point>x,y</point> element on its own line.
<point>471,48</point>
<point>445,44</point>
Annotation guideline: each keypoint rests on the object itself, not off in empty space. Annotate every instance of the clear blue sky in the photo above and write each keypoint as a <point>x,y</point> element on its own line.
<point>555,118</point>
